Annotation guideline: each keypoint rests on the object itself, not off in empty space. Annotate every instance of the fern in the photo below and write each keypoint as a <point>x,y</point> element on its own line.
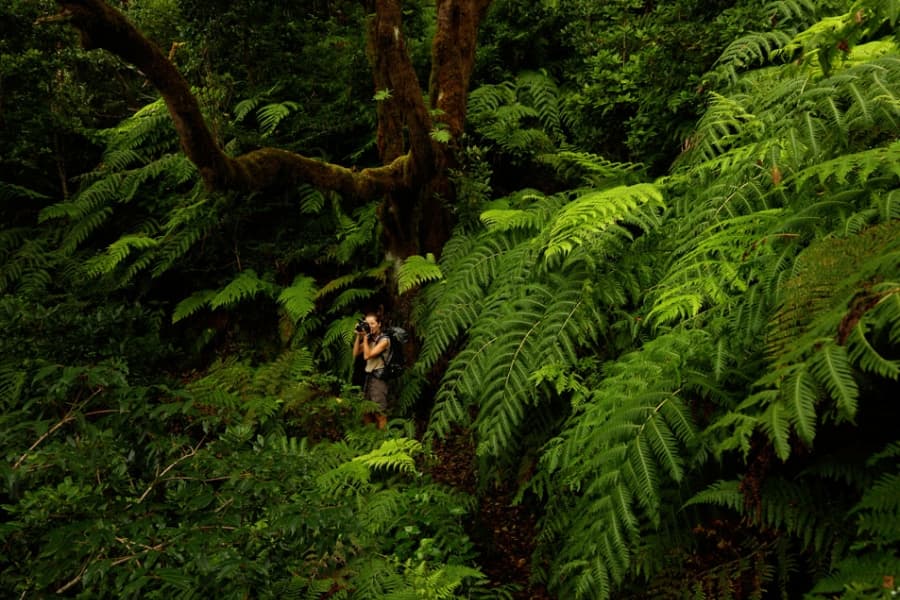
<point>591,216</point>
<point>246,285</point>
<point>585,169</point>
<point>634,431</point>
<point>393,455</point>
<point>416,270</point>
<point>117,252</point>
<point>521,118</point>
<point>270,115</point>
<point>298,299</point>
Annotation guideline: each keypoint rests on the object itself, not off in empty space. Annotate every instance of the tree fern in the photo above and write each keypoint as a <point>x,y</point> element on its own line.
<point>769,312</point>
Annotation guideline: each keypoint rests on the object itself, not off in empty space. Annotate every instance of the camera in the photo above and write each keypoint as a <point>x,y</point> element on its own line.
<point>362,326</point>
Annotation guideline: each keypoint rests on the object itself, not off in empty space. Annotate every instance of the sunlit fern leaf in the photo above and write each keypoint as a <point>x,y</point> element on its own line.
<point>888,205</point>
<point>350,478</point>
<point>337,343</point>
<point>186,226</point>
<point>506,219</point>
<point>246,285</point>
<point>590,169</point>
<point>802,11</point>
<point>453,305</point>
<point>192,304</point>
<point>416,270</point>
<point>120,159</point>
<point>382,510</point>
<point>861,165</point>
<point>148,131</point>
<point>393,455</point>
<point>712,267</point>
<point>594,213</point>
<point>751,49</point>
<point>97,195</point>
<point>299,299</point>
<point>624,433</point>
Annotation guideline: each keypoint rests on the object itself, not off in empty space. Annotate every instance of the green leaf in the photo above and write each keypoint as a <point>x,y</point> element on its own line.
<point>299,299</point>
<point>192,304</point>
<point>417,270</point>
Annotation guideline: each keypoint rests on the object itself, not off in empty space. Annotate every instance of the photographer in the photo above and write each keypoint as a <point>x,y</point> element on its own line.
<point>373,345</point>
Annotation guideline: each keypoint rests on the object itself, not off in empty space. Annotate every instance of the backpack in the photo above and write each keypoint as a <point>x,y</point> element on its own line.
<point>395,361</point>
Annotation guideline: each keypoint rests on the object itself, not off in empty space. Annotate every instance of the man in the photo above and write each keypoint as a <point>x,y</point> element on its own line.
<point>374,346</point>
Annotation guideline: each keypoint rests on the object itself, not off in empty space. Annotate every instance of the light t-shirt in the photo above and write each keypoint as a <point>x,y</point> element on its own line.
<point>377,362</point>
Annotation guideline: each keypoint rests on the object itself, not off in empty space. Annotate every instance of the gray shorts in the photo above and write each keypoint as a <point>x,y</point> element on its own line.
<point>376,390</point>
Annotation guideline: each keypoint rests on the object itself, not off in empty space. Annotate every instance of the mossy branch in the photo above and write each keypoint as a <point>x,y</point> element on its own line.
<point>102,26</point>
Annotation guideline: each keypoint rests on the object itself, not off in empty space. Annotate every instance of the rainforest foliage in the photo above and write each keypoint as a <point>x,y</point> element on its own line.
<point>662,341</point>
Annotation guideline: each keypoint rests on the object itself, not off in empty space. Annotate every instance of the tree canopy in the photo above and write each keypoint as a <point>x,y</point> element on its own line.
<point>649,256</point>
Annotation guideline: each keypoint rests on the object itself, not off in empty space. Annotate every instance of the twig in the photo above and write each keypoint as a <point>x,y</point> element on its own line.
<point>70,416</point>
<point>192,452</point>
<point>76,579</point>
<point>48,433</point>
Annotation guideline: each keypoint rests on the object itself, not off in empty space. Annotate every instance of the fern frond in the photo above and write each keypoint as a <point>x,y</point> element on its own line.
<point>246,285</point>
<point>117,252</point>
<point>350,298</point>
<point>416,270</point>
<point>299,299</point>
<point>312,200</point>
<point>831,365</point>
<point>393,455</point>
<point>245,107</point>
<point>721,493</point>
<point>271,115</point>
<point>588,217</point>
<point>592,170</point>
<point>10,192</point>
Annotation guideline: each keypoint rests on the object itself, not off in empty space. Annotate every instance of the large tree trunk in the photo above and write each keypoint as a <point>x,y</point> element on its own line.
<point>413,177</point>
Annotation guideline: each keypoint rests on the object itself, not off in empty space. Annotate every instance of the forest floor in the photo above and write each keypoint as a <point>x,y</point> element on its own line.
<point>503,533</point>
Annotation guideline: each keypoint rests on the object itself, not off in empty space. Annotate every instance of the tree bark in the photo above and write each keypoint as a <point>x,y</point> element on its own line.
<point>413,178</point>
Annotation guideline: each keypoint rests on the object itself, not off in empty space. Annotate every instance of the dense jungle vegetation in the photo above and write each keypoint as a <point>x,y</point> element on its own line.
<point>648,252</point>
